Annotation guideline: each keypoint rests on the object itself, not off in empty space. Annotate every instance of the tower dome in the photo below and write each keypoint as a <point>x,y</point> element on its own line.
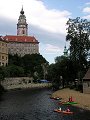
<point>22,12</point>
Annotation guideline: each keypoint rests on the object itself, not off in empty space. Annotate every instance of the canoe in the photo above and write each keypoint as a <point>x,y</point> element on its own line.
<point>64,112</point>
<point>57,110</point>
<point>67,103</point>
<point>67,112</point>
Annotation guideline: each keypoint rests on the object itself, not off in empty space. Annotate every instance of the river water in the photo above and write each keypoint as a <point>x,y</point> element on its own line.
<point>35,104</point>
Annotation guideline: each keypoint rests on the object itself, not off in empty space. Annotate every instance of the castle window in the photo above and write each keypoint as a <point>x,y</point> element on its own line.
<point>23,32</point>
<point>2,57</point>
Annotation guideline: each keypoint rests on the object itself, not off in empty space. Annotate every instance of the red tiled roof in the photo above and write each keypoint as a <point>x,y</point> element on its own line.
<point>30,39</point>
<point>87,75</point>
<point>2,39</point>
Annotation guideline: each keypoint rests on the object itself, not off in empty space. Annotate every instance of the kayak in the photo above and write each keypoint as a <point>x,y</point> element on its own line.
<point>64,112</point>
<point>69,103</point>
<point>67,112</point>
<point>57,110</point>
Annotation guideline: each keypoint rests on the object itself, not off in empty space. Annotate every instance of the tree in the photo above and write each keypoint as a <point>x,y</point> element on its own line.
<point>62,72</point>
<point>28,65</point>
<point>33,63</point>
<point>2,75</point>
<point>78,31</point>
<point>13,71</point>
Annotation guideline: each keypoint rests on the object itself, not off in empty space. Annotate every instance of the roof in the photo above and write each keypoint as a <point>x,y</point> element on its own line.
<point>87,75</point>
<point>26,39</point>
<point>2,39</point>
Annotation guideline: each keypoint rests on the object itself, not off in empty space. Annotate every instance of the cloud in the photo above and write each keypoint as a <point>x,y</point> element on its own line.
<point>86,10</point>
<point>86,17</point>
<point>52,48</point>
<point>50,52</point>
<point>47,25</point>
<point>88,3</point>
<point>37,14</point>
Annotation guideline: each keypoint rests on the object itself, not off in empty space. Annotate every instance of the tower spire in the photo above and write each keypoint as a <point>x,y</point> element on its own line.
<point>22,26</point>
<point>22,12</point>
<point>65,51</point>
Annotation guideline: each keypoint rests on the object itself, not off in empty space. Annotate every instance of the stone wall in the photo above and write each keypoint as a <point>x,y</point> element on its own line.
<point>22,82</point>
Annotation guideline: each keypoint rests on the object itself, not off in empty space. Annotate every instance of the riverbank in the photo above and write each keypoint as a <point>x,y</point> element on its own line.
<point>82,99</point>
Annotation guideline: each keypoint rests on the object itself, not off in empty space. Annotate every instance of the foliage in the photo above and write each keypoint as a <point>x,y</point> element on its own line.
<point>2,75</point>
<point>78,34</point>
<point>14,60</point>
<point>13,71</point>
<point>33,64</point>
<point>62,72</point>
<point>28,65</point>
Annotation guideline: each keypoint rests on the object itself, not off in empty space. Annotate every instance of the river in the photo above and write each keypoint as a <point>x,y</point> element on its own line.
<point>35,104</point>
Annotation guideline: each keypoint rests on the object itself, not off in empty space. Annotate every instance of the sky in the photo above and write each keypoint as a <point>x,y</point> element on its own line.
<point>46,21</point>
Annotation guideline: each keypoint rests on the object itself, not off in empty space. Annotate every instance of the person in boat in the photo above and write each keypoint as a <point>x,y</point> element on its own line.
<point>59,109</point>
<point>70,99</point>
<point>68,110</point>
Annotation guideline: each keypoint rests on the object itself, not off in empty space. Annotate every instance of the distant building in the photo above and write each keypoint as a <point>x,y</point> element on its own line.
<point>3,52</point>
<point>22,44</point>
<point>86,82</point>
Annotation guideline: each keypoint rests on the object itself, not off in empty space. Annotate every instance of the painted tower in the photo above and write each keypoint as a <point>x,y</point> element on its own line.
<point>65,51</point>
<point>22,26</point>
<point>22,44</point>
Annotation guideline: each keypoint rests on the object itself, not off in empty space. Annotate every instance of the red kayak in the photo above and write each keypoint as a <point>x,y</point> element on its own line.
<point>67,112</point>
<point>64,112</point>
<point>57,110</point>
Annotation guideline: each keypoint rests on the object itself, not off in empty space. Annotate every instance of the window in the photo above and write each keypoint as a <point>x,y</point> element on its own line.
<point>6,58</point>
<point>23,32</point>
<point>2,57</point>
<point>2,64</point>
<point>88,84</point>
<point>2,44</point>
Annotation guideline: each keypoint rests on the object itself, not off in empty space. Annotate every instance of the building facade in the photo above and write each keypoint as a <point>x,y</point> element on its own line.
<point>3,52</point>
<point>86,82</point>
<point>22,44</point>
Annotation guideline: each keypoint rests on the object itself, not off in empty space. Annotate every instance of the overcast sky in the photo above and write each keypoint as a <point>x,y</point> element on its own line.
<point>46,21</point>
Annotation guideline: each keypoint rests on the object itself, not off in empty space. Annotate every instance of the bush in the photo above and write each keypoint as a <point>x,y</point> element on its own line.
<point>79,87</point>
<point>1,89</point>
<point>72,86</point>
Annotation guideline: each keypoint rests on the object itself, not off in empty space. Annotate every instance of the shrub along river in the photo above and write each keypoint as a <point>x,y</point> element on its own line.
<point>35,104</point>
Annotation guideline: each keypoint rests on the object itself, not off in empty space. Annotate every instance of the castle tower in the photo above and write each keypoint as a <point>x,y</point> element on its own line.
<point>22,26</point>
<point>65,51</point>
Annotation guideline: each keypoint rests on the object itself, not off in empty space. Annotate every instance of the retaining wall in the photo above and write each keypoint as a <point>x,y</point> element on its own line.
<point>22,82</point>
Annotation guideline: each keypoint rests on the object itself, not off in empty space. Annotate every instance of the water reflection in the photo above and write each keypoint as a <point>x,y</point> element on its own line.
<point>35,104</point>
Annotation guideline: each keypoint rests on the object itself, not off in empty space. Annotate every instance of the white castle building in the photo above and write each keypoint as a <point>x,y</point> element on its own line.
<point>22,44</point>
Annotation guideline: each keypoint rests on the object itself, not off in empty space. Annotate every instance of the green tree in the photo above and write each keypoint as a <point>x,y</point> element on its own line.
<point>28,65</point>
<point>2,75</point>
<point>78,31</point>
<point>14,60</point>
<point>32,64</point>
<point>13,71</point>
